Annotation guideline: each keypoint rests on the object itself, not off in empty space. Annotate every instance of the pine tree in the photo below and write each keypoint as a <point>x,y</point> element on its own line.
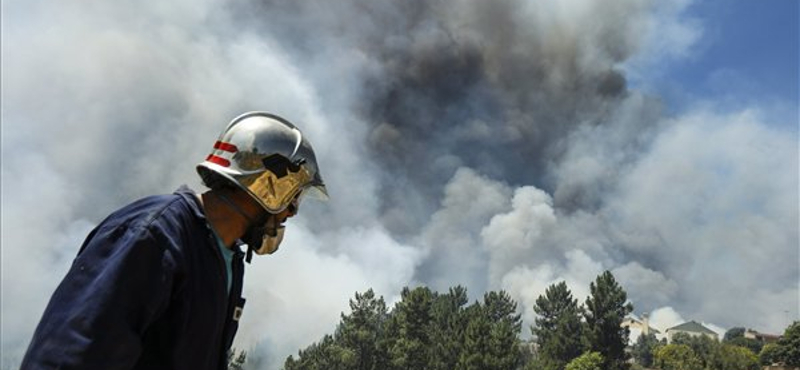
<point>236,362</point>
<point>447,328</point>
<point>606,307</point>
<point>411,349</point>
<point>476,340</point>
<point>505,325</point>
<point>325,355</point>
<point>424,331</point>
<point>387,340</point>
<point>360,330</point>
<point>643,349</point>
<point>558,327</point>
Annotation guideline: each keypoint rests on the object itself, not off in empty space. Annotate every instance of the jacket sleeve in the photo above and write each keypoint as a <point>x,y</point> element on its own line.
<point>116,287</point>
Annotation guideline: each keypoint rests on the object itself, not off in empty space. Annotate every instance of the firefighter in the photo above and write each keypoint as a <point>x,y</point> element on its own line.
<point>158,283</point>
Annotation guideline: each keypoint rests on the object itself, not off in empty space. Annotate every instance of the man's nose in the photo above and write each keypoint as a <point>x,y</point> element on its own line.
<point>291,210</point>
<point>288,213</point>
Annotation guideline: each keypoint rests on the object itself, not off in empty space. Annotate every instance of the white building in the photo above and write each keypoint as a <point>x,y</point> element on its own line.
<point>639,325</point>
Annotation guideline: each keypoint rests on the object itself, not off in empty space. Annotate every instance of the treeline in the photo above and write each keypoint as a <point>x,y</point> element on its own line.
<point>435,331</point>
<point>693,352</point>
<point>735,351</point>
<point>427,330</point>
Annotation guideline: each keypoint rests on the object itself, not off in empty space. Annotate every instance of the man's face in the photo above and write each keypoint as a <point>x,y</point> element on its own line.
<point>267,237</point>
<point>261,218</point>
<point>286,214</point>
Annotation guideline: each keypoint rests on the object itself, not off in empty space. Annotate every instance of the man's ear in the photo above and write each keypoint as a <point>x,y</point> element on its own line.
<point>251,205</point>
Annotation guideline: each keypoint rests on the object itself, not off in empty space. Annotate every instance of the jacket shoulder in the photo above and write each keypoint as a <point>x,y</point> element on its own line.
<point>151,210</point>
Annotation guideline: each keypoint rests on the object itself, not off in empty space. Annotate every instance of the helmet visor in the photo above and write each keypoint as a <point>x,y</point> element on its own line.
<point>318,192</point>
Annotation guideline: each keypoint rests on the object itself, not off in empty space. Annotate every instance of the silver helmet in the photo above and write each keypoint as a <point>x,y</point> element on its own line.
<point>267,157</point>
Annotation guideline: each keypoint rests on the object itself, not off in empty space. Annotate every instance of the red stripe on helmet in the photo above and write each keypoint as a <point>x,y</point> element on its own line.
<point>226,147</point>
<point>218,160</point>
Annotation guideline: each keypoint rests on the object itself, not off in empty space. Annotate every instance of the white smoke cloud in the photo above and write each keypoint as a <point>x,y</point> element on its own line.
<point>452,237</point>
<point>668,34</point>
<point>514,235</point>
<point>694,206</point>
<point>664,318</point>
<point>715,189</point>
<point>646,285</point>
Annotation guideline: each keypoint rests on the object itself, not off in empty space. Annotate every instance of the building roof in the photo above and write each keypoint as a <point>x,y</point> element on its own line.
<point>692,326</point>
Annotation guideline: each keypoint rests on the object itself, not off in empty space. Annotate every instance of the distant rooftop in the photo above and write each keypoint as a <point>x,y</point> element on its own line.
<point>752,334</point>
<point>632,319</point>
<point>694,327</point>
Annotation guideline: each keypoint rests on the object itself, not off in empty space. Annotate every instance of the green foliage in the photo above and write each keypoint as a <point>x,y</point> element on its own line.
<point>448,328</point>
<point>425,331</point>
<point>786,351</point>
<point>558,327</point>
<point>735,336</point>
<point>702,346</point>
<point>733,333</point>
<point>705,353</point>
<point>789,346</point>
<point>769,354</point>
<point>325,355</point>
<point>236,362</point>
<point>534,363</point>
<point>360,330</point>
<point>528,353</point>
<point>476,341</point>
<point>606,308</point>
<point>752,344</point>
<point>635,366</point>
<point>676,357</point>
<point>491,339</point>
<point>430,331</point>
<point>413,314</point>
<point>731,357</point>
<point>643,349</point>
<point>505,326</point>
<point>791,342</point>
<point>587,361</point>
<point>356,344</point>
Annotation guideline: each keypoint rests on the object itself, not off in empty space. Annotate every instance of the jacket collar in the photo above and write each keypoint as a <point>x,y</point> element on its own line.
<point>193,200</point>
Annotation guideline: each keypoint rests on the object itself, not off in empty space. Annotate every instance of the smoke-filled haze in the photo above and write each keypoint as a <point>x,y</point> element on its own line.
<point>496,145</point>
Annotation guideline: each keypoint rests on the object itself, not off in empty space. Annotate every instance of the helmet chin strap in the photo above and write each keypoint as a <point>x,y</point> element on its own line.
<point>253,223</point>
<point>235,207</point>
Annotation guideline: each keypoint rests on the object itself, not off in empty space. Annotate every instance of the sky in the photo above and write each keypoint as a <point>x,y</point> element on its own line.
<point>505,145</point>
<point>745,52</point>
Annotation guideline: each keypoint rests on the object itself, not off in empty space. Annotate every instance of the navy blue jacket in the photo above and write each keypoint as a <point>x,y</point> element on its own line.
<point>148,290</point>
